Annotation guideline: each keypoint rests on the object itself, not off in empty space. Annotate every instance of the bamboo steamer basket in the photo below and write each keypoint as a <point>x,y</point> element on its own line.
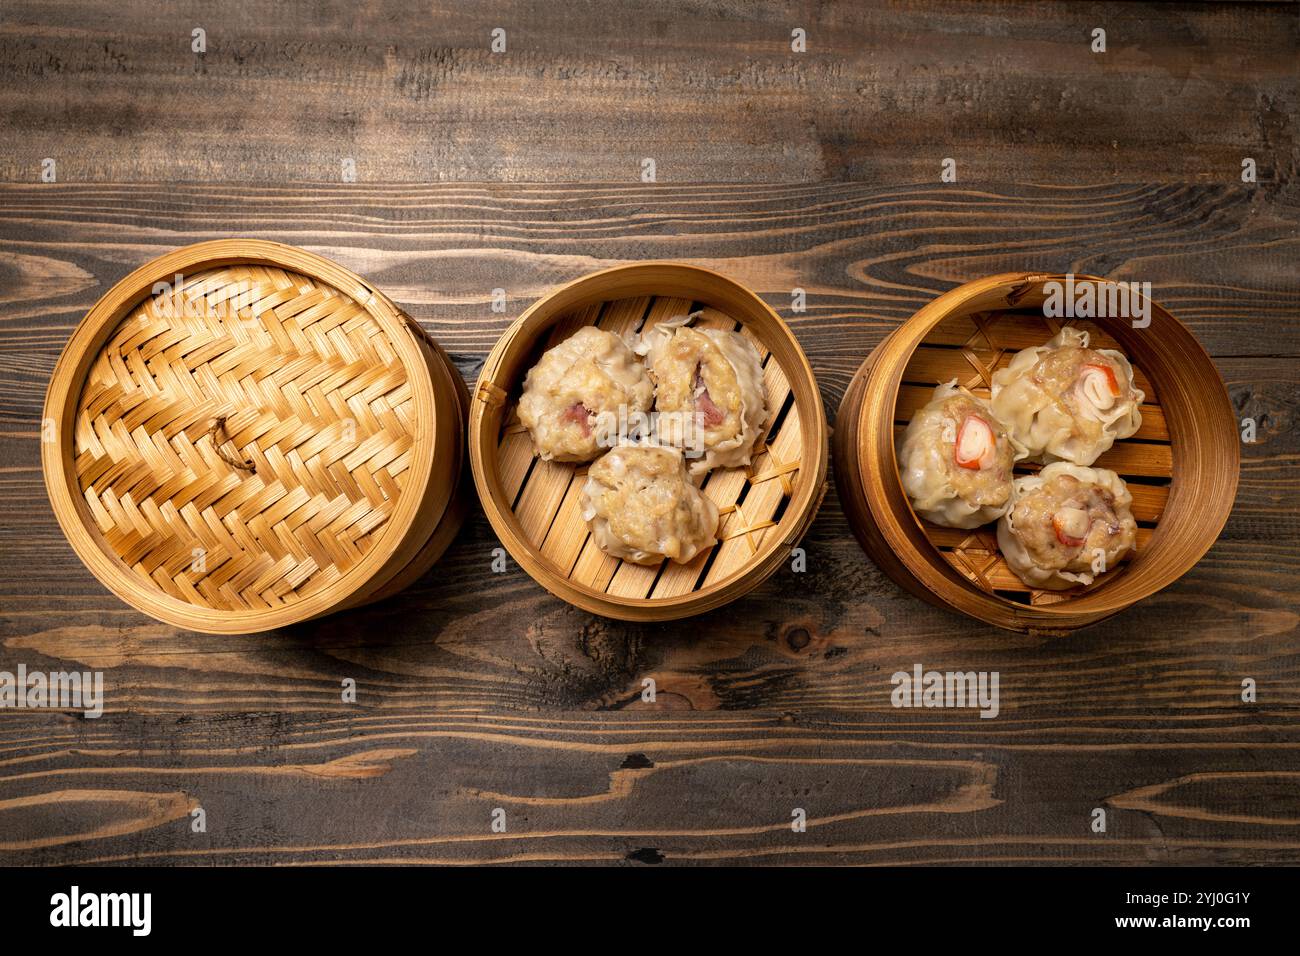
<point>533,505</point>
<point>242,435</point>
<point>1181,466</point>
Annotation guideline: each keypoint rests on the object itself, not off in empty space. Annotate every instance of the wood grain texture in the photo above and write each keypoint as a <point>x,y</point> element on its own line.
<point>477,690</point>
<point>711,91</point>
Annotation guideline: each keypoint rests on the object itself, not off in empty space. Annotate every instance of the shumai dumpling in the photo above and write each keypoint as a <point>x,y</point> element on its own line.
<point>955,460</point>
<point>708,392</point>
<point>641,506</point>
<point>1066,525</point>
<point>1066,402</point>
<point>573,396</point>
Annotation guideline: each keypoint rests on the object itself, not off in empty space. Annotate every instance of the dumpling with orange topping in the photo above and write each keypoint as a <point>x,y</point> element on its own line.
<point>576,395</point>
<point>1065,401</point>
<point>955,460</point>
<point>1066,525</point>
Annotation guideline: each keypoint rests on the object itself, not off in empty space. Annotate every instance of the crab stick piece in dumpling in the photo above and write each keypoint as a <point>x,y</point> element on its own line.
<point>1065,401</point>
<point>955,460</point>
<point>1066,525</point>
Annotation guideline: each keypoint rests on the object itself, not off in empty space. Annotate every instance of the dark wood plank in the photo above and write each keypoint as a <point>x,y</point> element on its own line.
<point>478,690</point>
<point>1221,258</point>
<point>884,787</point>
<point>710,91</point>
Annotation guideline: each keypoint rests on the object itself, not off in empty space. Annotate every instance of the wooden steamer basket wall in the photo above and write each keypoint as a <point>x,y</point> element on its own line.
<point>533,505</point>
<point>265,440</point>
<point>1181,466</point>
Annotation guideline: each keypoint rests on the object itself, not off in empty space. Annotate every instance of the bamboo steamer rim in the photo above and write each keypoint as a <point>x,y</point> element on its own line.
<point>1192,524</point>
<point>503,369</point>
<point>83,349</point>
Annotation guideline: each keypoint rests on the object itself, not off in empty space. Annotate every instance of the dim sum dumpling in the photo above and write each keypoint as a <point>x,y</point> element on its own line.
<point>1065,401</point>
<point>572,397</point>
<point>642,507</point>
<point>1066,525</point>
<point>708,392</point>
<point>956,459</point>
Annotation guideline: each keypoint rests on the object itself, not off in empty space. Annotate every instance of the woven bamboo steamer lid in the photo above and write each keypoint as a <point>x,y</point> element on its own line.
<point>462,500</point>
<point>1186,457</point>
<point>533,505</point>
<point>266,440</point>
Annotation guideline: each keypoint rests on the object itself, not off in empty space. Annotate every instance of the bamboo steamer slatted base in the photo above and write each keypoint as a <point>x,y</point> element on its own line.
<point>246,435</point>
<point>1181,466</point>
<point>534,505</point>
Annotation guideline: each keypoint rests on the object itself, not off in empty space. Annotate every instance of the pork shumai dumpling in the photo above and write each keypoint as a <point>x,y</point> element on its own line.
<point>955,460</point>
<point>1066,401</point>
<point>642,507</point>
<point>573,395</point>
<point>1066,525</point>
<point>709,377</point>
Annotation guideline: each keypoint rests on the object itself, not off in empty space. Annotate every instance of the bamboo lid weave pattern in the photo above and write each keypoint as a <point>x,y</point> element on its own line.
<point>243,439</point>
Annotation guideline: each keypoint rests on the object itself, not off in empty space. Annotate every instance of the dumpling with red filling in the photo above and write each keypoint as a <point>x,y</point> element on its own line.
<point>956,459</point>
<point>1066,525</point>
<point>709,394</point>
<point>642,506</point>
<point>576,395</point>
<point>1065,401</point>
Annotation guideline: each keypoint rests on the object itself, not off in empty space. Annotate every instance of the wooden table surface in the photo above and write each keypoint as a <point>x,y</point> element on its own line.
<point>522,170</point>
